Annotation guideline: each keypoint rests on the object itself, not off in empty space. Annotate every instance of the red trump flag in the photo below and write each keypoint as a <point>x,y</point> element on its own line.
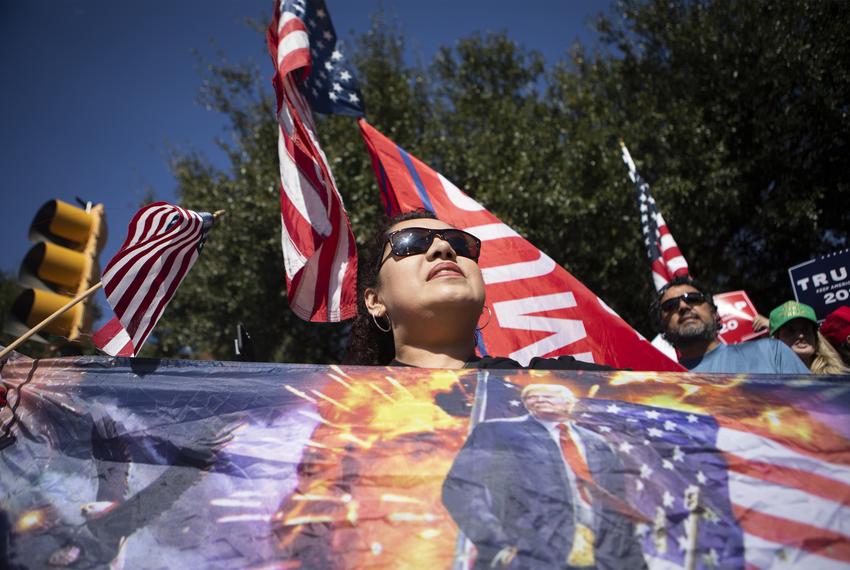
<point>538,308</point>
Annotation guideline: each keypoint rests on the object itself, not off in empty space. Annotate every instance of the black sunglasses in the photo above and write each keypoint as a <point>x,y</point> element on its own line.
<point>691,299</point>
<point>415,241</point>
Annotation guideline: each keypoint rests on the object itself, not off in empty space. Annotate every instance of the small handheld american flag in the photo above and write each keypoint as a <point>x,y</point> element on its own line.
<point>664,256</point>
<point>163,242</point>
<point>319,251</point>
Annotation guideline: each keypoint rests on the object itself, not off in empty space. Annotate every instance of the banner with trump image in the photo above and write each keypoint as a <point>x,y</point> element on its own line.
<point>135,463</point>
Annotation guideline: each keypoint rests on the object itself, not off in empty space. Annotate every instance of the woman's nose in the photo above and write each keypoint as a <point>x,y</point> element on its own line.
<point>441,249</point>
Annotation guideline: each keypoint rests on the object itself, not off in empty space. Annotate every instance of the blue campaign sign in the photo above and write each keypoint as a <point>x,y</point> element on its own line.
<point>823,282</point>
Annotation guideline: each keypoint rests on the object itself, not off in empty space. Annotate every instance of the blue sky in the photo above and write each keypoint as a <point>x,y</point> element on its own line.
<point>97,93</point>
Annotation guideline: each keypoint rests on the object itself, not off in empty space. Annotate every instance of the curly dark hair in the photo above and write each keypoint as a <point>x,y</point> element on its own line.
<point>367,344</point>
<point>655,307</point>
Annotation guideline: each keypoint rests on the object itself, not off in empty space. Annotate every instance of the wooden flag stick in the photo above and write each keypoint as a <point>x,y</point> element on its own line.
<point>79,298</point>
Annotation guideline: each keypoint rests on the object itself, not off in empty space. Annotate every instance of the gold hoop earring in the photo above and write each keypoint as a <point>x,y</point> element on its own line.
<point>380,328</point>
<point>489,316</point>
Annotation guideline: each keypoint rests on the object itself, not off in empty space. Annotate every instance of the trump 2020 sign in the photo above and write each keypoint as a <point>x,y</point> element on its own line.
<point>823,282</point>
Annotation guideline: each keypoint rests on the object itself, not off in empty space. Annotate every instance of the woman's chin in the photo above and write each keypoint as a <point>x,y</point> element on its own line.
<point>453,303</point>
<point>805,355</point>
<point>447,287</point>
<point>461,300</point>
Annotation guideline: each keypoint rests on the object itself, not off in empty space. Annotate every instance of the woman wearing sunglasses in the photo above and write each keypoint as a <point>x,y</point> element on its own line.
<point>421,297</point>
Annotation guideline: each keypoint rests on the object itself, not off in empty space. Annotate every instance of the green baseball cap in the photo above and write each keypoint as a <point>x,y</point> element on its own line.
<point>788,311</point>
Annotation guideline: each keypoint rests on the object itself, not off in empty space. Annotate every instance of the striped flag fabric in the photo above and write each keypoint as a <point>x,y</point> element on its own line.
<point>665,258</point>
<point>791,499</point>
<point>319,252</point>
<point>163,242</point>
<point>538,308</point>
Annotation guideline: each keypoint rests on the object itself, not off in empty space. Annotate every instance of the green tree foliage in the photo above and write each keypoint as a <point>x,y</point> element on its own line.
<point>736,113</point>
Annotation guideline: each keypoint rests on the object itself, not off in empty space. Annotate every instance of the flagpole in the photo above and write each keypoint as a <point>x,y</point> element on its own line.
<point>78,299</point>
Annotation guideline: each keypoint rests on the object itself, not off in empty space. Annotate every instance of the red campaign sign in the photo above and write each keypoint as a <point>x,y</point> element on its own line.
<point>736,316</point>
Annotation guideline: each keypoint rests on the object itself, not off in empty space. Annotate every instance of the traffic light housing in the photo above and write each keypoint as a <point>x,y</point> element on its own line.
<point>62,264</point>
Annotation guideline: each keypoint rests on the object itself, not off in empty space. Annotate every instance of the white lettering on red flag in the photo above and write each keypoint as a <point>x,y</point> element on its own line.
<point>737,313</point>
<point>539,309</point>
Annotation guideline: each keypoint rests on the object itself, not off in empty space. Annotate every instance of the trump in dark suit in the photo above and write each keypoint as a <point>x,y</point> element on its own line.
<point>540,491</point>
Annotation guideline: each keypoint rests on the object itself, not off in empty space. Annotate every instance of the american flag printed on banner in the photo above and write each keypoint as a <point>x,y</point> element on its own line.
<point>319,251</point>
<point>538,308</point>
<point>681,459</point>
<point>163,242</point>
<point>764,501</point>
<point>665,258</point>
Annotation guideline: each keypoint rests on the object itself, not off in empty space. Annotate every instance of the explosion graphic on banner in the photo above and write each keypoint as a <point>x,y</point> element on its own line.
<point>369,485</point>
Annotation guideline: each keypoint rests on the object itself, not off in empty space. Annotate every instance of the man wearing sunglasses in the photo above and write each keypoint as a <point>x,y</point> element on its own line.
<point>686,315</point>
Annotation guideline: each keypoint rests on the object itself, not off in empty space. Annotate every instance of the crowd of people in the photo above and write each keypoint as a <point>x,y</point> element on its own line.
<point>421,300</point>
<point>686,315</point>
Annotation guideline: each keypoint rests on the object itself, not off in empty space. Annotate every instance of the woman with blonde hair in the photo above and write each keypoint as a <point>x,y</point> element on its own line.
<point>827,360</point>
<point>836,329</point>
<point>795,324</point>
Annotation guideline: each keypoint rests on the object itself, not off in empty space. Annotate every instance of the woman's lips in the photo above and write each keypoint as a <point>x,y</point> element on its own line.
<point>445,269</point>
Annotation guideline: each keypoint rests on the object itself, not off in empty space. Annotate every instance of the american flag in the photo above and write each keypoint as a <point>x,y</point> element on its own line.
<point>666,455</point>
<point>763,501</point>
<point>319,251</point>
<point>163,242</point>
<point>664,256</point>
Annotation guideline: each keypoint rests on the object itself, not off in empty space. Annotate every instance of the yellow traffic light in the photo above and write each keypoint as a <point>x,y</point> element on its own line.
<point>34,305</point>
<point>60,266</point>
<point>67,225</point>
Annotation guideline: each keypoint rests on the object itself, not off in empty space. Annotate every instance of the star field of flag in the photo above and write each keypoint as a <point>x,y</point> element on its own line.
<point>648,219</point>
<point>665,258</point>
<point>331,87</point>
<point>667,453</point>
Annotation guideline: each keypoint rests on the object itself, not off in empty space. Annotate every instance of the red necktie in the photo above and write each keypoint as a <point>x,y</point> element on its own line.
<point>573,457</point>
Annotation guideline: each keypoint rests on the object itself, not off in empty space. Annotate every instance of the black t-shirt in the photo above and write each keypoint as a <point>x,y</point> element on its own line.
<point>504,363</point>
